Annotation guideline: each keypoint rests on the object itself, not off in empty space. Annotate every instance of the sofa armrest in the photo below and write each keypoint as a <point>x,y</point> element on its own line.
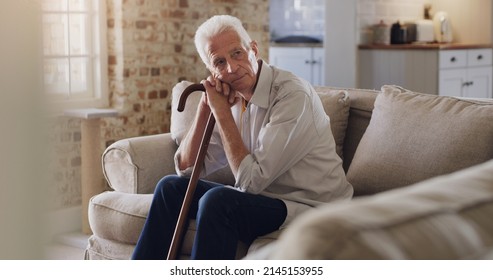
<point>446,217</point>
<point>135,165</point>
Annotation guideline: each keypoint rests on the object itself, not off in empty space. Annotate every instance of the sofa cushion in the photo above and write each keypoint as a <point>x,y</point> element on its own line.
<point>447,217</point>
<point>119,216</point>
<point>335,101</point>
<point>117,220</point>
<point>336,105</point>
<point>414,136</point>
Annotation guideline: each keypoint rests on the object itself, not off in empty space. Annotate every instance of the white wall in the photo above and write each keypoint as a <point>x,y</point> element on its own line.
<point>471,20</point>
<point>340,43</point>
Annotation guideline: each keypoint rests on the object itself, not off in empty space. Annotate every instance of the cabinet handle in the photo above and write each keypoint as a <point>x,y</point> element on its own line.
<point>453,59</point>
<point>466,84</point>
<point>480,57</point>
<point>307,61</point>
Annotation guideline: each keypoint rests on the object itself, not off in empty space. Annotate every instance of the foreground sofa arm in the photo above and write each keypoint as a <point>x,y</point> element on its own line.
<point>446,217</point>
<point>135,165</point>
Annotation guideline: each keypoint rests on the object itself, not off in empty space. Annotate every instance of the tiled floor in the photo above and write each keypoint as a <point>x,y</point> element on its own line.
<point>69,246</point>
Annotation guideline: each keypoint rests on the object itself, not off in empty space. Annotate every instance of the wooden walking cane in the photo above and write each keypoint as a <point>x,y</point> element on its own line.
<point>182,218</point>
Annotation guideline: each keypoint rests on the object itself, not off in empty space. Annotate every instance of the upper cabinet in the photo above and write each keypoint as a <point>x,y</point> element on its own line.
<point>297,18</point>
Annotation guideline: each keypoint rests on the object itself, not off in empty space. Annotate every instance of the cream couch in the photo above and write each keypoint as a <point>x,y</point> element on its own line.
<point>391,141</point>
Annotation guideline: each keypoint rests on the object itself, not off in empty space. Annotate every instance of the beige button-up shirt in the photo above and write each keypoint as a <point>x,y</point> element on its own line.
<point>292,149</point>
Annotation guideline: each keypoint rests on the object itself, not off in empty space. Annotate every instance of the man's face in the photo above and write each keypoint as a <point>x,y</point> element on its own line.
<point>232,63</point>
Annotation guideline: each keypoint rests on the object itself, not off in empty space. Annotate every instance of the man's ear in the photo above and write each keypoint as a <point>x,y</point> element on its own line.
<point>254,47</point>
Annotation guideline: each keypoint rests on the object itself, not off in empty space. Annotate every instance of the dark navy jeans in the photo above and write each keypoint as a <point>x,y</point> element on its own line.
<point>224,216</point>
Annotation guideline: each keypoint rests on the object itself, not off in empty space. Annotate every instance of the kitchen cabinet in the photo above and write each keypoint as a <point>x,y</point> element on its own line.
<point>305,62</point>
<point>441,69</point>
<point>415,70</point>
<point>466,73</point>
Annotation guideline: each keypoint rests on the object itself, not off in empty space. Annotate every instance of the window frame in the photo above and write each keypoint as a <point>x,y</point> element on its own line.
<point>97,82</point>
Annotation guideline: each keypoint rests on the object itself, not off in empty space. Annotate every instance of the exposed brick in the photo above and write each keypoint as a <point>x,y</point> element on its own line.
<point>110,23</point>
<point>153,94</point>
<point>75,162</point>
<point>177,14</point>
<point>155,72</point>
<point>111,60</point>
<point>178,48</point>
<point>163,93</point>
<point>141,24</point>
<point>183,4</point>
<point>77,136</point>
<point>144,71</point>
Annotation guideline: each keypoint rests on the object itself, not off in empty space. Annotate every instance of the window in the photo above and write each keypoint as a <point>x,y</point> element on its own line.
<point>74,51</point>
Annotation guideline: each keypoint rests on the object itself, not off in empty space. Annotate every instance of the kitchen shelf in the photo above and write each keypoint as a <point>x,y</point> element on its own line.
<point>431,46</point>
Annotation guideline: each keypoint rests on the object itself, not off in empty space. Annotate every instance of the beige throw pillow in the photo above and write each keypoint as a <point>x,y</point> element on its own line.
<point>414,136</point>
<point>181,121</point>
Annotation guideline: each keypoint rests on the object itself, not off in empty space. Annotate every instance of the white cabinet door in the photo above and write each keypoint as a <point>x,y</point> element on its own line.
<point>466,82</point>
<point>305,62</point>
<point>452,82</point>
<point>318,67</point>
<point>295,60</point>
<point>479,82</point>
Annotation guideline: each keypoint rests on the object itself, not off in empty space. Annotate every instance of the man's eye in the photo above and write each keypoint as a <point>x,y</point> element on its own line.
<point>219,63</point>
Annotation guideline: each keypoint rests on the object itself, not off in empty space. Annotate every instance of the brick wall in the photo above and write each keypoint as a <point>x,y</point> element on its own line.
<point>150,48</point>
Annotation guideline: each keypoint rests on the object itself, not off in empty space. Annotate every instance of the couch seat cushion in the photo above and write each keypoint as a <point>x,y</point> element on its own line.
<point>117,219</point>
<point>414,136</point>
<point>119,216</point>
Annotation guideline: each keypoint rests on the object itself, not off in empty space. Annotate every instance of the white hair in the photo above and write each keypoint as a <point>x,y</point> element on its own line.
<point>215,26</point>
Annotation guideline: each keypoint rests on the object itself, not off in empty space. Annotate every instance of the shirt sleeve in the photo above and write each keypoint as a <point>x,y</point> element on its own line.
<point>215,158</point>
<point>288,136</point>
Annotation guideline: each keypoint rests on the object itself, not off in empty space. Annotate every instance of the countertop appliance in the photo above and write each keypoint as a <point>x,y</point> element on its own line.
<point>425,31</point>
<point>442,27</point>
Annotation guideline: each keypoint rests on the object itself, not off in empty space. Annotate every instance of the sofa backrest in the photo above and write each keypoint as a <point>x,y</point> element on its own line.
<point>360,110</point>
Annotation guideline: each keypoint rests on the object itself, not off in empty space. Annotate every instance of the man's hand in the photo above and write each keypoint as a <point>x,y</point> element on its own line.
<point>219,95</point>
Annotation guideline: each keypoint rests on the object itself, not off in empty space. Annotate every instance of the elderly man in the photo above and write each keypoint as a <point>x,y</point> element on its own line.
<point>271,129</point>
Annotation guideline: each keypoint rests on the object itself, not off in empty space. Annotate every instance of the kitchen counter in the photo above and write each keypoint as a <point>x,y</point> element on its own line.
<point>431,46</point>
<point>297,45</point>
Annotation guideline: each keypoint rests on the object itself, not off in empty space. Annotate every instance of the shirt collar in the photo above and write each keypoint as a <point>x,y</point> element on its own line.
<point>261,94</point>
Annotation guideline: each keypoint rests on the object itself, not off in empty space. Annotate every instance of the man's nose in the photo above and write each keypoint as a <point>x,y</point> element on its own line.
<point>232,66</point>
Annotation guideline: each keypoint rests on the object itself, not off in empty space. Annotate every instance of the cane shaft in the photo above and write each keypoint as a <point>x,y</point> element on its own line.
<point>192,185</point>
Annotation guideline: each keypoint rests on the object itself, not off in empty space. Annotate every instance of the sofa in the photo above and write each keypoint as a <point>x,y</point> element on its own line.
<point>421,166</point>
